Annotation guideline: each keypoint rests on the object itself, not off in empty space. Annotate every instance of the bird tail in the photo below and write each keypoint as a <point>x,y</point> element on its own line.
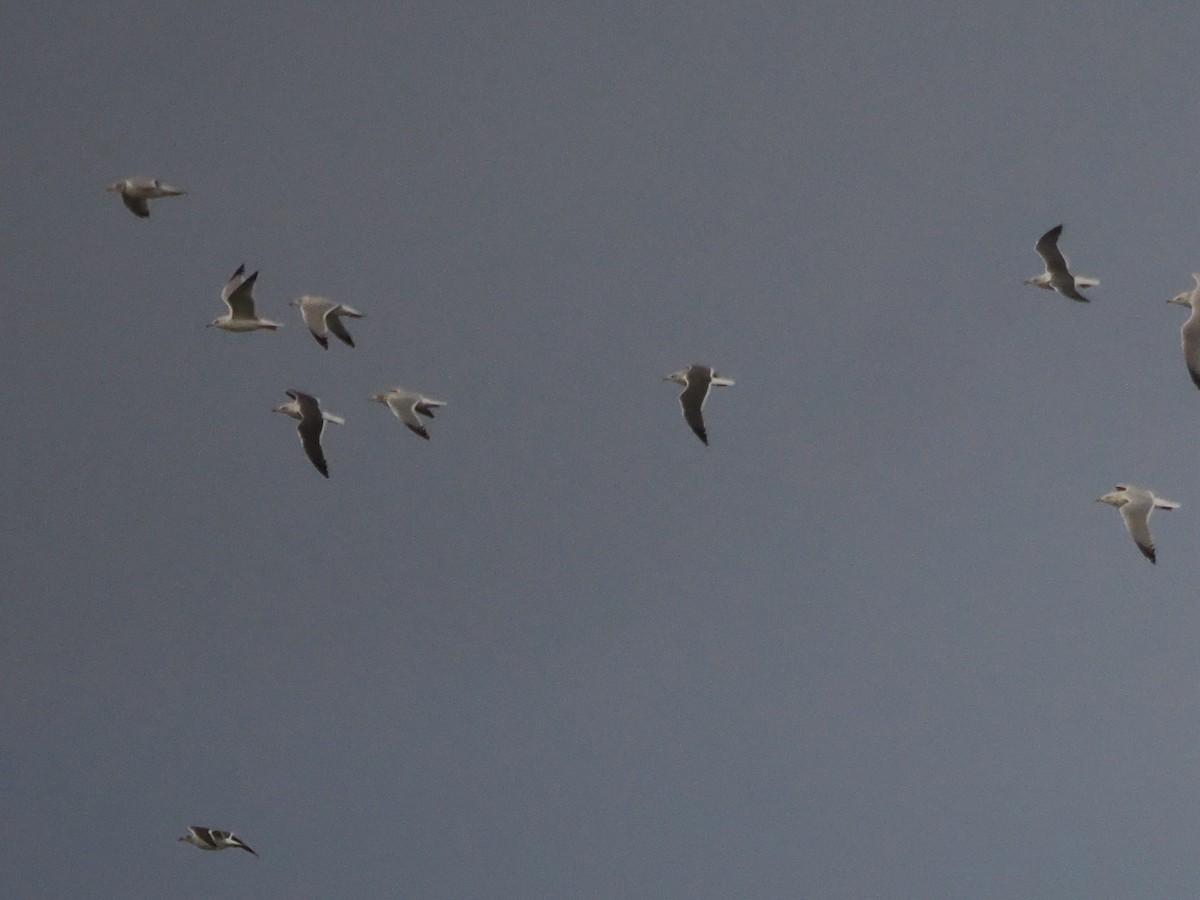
<point>1161,503</point>
<point>1082,281</point>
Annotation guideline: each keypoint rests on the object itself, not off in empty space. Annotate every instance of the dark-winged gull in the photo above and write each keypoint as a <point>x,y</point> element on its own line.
<point>406,404</point>
<point>307,409</point>
<point>321,315</point>
<point>1136,505</point>
<point>136,192</point>
<point>1190,332</point>
<point>214,839</point>
<point>697,381</point>
<point>1057,276</point>
<point>238,295</point>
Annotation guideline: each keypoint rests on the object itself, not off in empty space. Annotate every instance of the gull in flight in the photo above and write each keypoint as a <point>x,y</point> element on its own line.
<point>1057,276</point>
<point>307,409</point>
<point>212,839</point>
<point>238,295</point>
<point>136,191</point>
<point>406,404</point>
<point>1190,332</point>
<point>1136,505</point>
<point>697,381</point>
<point>321,315</point>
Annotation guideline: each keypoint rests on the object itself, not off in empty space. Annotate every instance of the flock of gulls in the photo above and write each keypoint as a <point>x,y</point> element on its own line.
<point>323,317</point>
<point>1136,504</point>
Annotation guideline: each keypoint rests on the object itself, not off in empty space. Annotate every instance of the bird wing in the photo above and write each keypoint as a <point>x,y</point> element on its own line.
<point>1047,249</point>
<point>334,321</point>
<point>692,400</point>
<point>425,406</point>
<point>404,406</point>
<point>241,299</point>
<point>314,311</point>
<point>206,836</point>
<point>312,423</point>
<point>238,276</point>
<point>136,205</point>
<point>1136,514</point>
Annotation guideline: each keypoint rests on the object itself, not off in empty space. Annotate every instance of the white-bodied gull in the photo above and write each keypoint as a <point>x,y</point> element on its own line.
<point>321,315</point>
<point>1136,505</point>
<point>406,405</point>
<point>1057,276</point>
<point>1190,332</point>
<point>136,192</point>
<point>697,381</point>
<point>307,409</point>
<point>238,295</point>
<point>214,839</point>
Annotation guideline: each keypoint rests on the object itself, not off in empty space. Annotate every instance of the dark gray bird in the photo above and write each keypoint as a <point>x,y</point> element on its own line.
<point>307,409</point>
<point>213,839</point>
<point>697,381</point>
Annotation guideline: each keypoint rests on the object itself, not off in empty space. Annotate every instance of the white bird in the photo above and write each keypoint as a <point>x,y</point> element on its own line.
<point>136,191</point>
<point>1057,276</point>
<point>1190,332</point>
<point>1136,505</point>
<point>697,381</point>
<point>307,409</point>
<point>406,404</point>
<point>238,295</point>
<point>321,315</point>
<point>212,839</point>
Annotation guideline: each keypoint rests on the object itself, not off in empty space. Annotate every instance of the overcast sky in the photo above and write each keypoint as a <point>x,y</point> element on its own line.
<point>877,640</point>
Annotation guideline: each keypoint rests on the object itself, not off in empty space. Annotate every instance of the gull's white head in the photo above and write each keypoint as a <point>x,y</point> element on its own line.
<point>1184,299</point>
<point>1117,498</point>
<point>379,398</point>
<point>679,377</point>
<point>117,187</point>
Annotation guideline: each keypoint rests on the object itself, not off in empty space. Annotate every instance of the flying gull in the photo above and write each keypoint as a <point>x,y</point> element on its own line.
<point>238,295</point>
<point>406,404</point>
<point>1057,276</point>
<point>697,381</point>
<point>1190,332</point>
<point>307,409</point>
<point>321,315</point>
<point>1136,505</point>
<point>212,839</point>
<point>136,191</point>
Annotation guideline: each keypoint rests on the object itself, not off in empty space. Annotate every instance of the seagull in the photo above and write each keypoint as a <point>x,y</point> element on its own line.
<point>238,295</point>
<point>1190,331</point>
<point>321,314</point>
<point>307,409</point>
<point>696,381</point>
<point>1057,277</point>
<point>212,839</point>
<point>1136,505</point>
<point>137,190</point>
<point>406,404</point>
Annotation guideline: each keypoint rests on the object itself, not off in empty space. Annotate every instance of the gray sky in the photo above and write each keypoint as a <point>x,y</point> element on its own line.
<point>876,641</point>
